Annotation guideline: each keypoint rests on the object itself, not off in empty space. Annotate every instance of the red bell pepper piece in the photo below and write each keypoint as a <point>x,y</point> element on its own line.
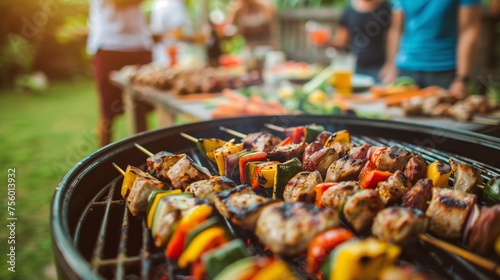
<point>321,246</point>
<point>319,189</point>
<point>257,156</point>
<point>298,134</point>
<point>370,176</point>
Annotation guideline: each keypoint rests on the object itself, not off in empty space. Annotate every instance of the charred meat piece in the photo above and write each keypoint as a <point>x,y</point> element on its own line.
<point>137,199</point>
<point>260,141</point>
<point>418,196</point>
<point>393,158</point>
<point>485,230</point>
<point>287,152</point>
<point>466,177</point>
<point>415,169</point>
<point>185,171</point>
<point>335,196</point>
<point>393,190</point>
<point>342,148</point>
<point>323,136</point>
<point>159,164</point>
<point>448,211</point>
<point>301,186</point>
<point>399,225</point>
<point>209,188</point>
<point>172,208</point>
<point>241,206</point>
<point>344,169</point>
<point>361,207</point>
<point>359,152</point>
<point>317,157</point>
<point>288,227</point>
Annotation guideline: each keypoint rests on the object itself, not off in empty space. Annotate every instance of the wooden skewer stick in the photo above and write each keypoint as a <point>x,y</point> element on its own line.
<point>119,169</point>
<point>473,258</point>
<point>275,127</point>
<point>144,150</point>
<point>233,132</point>
<point>189,137</point>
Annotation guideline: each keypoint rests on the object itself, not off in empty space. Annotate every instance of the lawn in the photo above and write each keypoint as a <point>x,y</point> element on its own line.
<point>42,136</point>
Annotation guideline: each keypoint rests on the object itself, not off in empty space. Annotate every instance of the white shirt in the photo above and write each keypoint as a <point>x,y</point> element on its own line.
<point>113,29</point>
<point>166,15</point>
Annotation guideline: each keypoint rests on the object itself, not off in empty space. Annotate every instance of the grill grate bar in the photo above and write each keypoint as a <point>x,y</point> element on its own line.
<point>122,247</point>
<point>145,260</point>
<point>99,248</point>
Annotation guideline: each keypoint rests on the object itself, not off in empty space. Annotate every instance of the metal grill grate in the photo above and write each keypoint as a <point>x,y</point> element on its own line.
<point>124,248</point>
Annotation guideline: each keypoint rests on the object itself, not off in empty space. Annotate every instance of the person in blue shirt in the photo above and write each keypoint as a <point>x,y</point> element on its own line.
<point>433,42</point>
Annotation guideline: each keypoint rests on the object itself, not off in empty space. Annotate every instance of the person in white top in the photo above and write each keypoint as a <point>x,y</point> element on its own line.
<point>169,18</point>
<point>118,36</point>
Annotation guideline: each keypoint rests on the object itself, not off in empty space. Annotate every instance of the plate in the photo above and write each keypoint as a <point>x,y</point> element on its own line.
<point>362,82</point>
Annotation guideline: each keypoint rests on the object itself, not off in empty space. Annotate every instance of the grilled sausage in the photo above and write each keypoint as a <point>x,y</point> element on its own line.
<point>288,227</point>
<point>360,152</point>
<point>393,190</point>
<point>207,189</point>
<point>486,230</point>
<point>185,171</point>
<point>361,207</point>
<point>399,225</point>
<point>415,169</point>
<point>448,211</point>
<point>320,160</point>
<point>335,196</point>
<point>301,186</point>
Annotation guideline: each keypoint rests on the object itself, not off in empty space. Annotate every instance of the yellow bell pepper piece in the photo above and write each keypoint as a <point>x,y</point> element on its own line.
<point>274,270</point>
<point>439,172</point>
<point>268,172</point>
<point>210,145</point>
<point>225,150</point>
<point>205,240</point>
<point>363,259</point>
<point>129,178</point>
<point>156,200</point>
<point>341,136</point>
<point>497,246</point>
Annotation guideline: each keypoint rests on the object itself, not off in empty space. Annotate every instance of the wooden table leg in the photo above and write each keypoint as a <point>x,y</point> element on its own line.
<point>165,118</point>
<point>130,113</point>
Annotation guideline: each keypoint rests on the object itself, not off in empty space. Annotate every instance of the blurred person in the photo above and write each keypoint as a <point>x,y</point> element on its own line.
<point>433,42</point>
<point>495,8</point>
<point>118,36</point>
<point>254,20</point>
<point>169,21</point>
<point>363,31</point>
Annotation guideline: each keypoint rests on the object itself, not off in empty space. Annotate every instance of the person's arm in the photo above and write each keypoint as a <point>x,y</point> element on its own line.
<point>469,24</point>
<point>389,72</point>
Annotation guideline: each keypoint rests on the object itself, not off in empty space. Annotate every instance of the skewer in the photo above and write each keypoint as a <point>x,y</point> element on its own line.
<point>119,169</point>
<point>233,132</point>
<point>480,261</point>
<point>189,137</point>
<point>274,127</point>
<point>144,150</point>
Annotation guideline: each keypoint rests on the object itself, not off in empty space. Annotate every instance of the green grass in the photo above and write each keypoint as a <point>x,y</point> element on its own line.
<point>42,135</point>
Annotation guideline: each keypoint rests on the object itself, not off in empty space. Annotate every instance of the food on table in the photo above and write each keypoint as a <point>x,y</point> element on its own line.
<point>238,105</point>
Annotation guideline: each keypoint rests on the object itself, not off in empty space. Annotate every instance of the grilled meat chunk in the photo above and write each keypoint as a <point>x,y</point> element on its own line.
<point>448,211</point>
<point>169,211</point>
<point>466,177</point>
<point>159,164</point>
<point>287,152</point>
<point>393,190</point>
<point>317,157</point>
<point>393,158</point>
<point>260,141</point>
<point>323,136</point>
<point>361,207</point>
<point>288,227</point>
<point>335,196</point>
<point>418,195</point>
<point>301,186</point>
<point>485,230</point>
<point>241,206</point>
<point>209,188</point>
<point>399,225</point>
<point>137,199</point>
<point>342,148</point>
<point>359,152</point>
<point>185,171</point>
<point>415,168</point>
<point>344,169</point>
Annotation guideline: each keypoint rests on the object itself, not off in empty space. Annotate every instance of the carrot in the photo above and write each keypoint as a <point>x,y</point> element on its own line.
<point>397,99</point>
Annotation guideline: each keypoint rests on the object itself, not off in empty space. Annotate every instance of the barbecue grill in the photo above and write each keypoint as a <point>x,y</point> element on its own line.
<point>95,237</point>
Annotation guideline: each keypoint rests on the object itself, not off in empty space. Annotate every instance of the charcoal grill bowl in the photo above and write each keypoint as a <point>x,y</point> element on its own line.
<point>91,174</point>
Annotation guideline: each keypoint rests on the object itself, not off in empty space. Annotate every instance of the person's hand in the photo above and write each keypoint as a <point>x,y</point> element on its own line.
<point>458,89</point>
<point>388,73</point>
